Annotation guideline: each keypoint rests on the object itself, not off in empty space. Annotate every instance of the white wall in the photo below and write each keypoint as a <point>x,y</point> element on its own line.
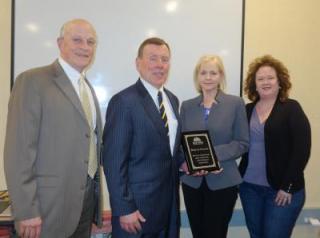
<point>290,31</point>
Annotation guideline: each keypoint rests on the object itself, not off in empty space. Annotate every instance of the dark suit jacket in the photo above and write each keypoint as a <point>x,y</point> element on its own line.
<point>46,150</point>
<point>141,173</point>
<point>287,137</point>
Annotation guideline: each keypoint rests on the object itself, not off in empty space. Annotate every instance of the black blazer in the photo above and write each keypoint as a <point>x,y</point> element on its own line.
<point>287,136</point>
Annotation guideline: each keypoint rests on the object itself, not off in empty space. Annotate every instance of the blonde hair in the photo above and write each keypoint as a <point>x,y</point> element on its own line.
<point>205,59</point>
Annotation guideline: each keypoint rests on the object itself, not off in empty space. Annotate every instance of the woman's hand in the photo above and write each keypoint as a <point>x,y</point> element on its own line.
<point>217,171</point>
<point>200,173</point>
<point>185,169</point>
<point>283,198</point>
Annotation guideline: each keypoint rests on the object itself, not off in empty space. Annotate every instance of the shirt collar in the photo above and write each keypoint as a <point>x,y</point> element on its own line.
<point>72,73</point>
<point>152,90</point>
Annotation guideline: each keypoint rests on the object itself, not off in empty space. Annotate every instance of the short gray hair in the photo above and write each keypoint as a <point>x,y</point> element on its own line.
<point>67,24</point>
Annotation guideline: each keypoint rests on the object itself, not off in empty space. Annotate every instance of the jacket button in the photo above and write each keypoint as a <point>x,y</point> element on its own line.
<point>87,135</point>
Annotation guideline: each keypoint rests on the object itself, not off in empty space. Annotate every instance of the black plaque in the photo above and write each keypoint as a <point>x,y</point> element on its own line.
<point>200,154</point>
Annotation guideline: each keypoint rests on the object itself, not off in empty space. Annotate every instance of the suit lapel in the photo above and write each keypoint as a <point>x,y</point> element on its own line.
<point>173,103</point>
<point>197,112</point>
<point>64,84</point>
<point>66,87</point>
<point>175,107</point>
<point>151,109</point>
<point>98,178</point>
<point>98,129</point>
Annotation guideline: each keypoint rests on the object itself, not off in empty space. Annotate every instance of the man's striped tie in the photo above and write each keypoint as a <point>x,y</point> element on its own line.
<point>163,112</point>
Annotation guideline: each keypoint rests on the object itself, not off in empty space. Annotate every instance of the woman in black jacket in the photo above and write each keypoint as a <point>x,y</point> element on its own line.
<point>273,193</point>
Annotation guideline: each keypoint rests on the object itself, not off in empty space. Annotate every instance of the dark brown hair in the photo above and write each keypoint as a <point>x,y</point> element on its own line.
<point>282,75</point>
<point>151,41</point>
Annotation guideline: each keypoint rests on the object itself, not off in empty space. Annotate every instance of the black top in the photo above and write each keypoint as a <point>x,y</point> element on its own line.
<point>287,135</point>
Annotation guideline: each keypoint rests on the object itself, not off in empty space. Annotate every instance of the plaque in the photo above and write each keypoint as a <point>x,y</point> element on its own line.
<point>199,152</point>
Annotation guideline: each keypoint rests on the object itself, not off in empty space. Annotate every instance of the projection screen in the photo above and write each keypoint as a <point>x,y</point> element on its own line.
<point>191,27</point>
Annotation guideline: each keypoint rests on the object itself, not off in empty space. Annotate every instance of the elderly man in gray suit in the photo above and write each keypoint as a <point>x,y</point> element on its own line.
<point>53,142</point>
<point>141,150</point>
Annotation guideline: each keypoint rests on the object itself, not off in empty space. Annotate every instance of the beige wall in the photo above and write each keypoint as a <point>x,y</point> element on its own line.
<point>289,30</point>
<point>5,42</point>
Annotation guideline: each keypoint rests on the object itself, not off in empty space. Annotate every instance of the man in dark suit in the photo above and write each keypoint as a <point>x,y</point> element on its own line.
<point>53,142</point>
<point>141,150</point>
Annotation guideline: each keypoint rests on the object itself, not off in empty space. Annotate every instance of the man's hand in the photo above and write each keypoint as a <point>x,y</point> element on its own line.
<point>30,228</point>
<point>131,223</point>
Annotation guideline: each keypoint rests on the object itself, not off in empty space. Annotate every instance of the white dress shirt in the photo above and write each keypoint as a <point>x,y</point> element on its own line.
<point>74,77</point>
<point>172,120</point>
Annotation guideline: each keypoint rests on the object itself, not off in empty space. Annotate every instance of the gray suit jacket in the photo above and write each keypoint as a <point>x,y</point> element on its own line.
<point>46,150</point>
<point>228,128</point>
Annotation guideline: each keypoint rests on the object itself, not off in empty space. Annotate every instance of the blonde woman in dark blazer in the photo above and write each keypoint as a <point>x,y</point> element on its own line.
<point>210,197</point>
